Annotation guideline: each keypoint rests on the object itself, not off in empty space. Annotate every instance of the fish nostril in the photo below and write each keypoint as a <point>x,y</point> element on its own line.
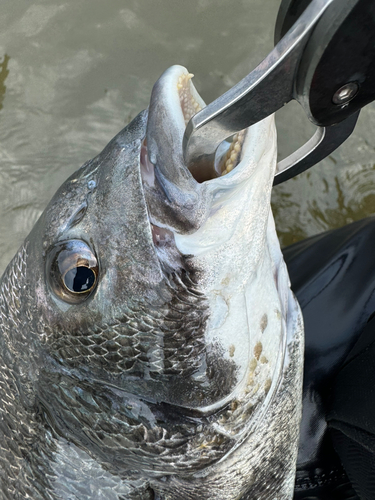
<point>160,236</point>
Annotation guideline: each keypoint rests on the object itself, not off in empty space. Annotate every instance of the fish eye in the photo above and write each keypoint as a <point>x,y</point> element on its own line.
<point>72,271</point>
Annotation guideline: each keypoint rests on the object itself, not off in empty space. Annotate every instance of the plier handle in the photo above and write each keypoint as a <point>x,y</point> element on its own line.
<point>325,61</point>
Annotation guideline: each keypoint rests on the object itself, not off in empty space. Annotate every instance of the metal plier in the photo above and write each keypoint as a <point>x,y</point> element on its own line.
<point>324,58</point>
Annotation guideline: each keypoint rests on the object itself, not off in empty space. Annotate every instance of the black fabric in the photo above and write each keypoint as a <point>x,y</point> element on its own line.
<point>359,462</point>
<point>333,277</point>
<point>352,413</point>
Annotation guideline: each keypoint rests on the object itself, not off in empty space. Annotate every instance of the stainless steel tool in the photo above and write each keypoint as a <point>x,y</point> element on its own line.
<point>324,58</point>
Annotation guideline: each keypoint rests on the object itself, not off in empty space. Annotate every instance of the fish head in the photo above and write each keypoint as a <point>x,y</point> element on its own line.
<point>168,294</point>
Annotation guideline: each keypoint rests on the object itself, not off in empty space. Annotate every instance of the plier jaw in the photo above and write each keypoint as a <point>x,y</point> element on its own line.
<point>298,68</point>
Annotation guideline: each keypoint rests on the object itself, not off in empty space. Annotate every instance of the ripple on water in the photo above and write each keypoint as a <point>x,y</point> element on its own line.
<point>323,199</point>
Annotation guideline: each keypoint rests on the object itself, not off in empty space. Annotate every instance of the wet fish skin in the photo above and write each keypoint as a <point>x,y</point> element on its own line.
<point>126,394</point>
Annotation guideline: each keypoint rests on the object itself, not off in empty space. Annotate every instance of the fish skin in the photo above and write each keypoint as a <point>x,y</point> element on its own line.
<point>128,394</point>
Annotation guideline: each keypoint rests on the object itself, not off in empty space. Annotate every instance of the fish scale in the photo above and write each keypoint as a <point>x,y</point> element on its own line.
<point>102,342</point>
<point>25,446</point>
<point>121,431</point>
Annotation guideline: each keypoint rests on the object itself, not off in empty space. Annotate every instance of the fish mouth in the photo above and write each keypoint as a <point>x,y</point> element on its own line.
<point>177,198</point>
<point>179,201</point>
<point>228,154</point>
<point>183,103</point>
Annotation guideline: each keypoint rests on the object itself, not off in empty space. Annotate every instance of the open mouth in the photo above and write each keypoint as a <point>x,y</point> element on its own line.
<point>185,102</point>
<point>180,200</point>
<point>229,152</point>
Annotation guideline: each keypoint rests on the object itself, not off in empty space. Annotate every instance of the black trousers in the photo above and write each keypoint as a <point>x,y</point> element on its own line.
<point>333,277</point>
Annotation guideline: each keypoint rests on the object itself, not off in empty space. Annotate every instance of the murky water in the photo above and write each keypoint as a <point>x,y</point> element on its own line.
<point>73,73</point>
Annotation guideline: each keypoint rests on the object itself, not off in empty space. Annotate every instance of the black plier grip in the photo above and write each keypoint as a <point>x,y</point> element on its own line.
<point>325,61</point>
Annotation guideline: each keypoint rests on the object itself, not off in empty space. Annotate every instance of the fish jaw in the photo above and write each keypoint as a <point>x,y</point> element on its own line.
<point>228,237</point>
<point>237,255</point>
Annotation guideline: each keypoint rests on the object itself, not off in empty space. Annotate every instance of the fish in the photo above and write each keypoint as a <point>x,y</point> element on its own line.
<point>150,345</point>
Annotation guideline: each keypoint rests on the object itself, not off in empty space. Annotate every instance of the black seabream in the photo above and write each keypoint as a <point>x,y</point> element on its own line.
<point>150,346</point>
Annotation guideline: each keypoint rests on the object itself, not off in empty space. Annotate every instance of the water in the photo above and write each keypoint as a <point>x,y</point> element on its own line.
<point>73,73</point>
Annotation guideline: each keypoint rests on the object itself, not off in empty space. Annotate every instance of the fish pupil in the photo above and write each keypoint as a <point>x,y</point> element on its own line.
<point>79,279</point>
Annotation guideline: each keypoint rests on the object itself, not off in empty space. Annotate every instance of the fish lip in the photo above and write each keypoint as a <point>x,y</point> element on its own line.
<point>176,200</point>
<point>172,106</point>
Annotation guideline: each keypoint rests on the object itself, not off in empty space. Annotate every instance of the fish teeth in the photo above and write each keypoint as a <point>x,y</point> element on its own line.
<point>189,105</point>
<point>232,156</point>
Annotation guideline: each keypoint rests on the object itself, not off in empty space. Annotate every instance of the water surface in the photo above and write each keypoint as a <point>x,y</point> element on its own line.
<point>73,73</point>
